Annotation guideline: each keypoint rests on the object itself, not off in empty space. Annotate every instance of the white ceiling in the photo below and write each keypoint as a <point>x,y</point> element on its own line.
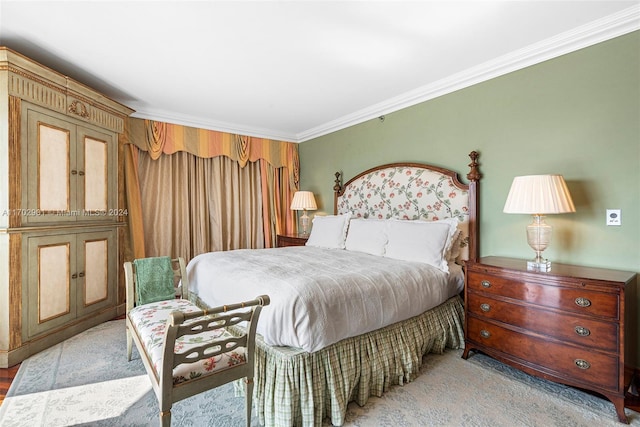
<point>295,70</point>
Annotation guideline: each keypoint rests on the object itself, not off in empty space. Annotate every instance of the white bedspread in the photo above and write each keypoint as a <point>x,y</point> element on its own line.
<point>320,296</point>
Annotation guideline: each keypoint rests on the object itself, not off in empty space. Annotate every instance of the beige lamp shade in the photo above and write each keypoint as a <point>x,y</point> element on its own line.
<point>539,194</point>
<point>303,200</point>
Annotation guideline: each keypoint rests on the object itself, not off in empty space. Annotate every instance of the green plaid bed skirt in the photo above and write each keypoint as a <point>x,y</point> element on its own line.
<point>296,388</point>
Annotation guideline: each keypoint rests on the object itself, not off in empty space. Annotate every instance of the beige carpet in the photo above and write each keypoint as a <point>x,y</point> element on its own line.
<point>481,391</point>
<point>86,381</point>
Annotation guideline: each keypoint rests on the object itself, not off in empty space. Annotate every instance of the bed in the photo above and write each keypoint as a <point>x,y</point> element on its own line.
<point>354,311</point>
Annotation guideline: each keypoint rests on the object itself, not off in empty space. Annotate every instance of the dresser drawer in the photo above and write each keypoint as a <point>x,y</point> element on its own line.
<point>575,300</point>
<point>562,326</point>
<point>579,364</point>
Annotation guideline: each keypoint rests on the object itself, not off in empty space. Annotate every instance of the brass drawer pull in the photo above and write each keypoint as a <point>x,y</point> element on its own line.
<point>81,173</point>
<point>485,284</point>
<point>81,274</point>
<point>74,172</point>
<point>582,364</point>
<point>74,276</point>
<point>485,307</point>
<point>485,334</point>
<point>583,302</point>
<point>582,331</point>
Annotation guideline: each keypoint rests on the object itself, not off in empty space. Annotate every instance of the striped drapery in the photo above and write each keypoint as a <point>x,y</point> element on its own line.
<point>159,138</point>
<point>278,167</point>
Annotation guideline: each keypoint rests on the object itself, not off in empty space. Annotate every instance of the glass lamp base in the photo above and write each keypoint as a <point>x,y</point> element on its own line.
<point>543,266</point>
<point>304,222</point>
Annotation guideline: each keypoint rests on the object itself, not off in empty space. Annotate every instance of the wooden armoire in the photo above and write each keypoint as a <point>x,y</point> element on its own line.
<point>62,220</point>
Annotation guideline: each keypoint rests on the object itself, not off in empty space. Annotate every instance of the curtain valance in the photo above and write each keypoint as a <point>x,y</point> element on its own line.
<point>159,138</point>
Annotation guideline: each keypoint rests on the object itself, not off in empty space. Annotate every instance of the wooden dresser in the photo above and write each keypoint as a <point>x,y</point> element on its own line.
<point>573,325</point>
<point>284,240</point>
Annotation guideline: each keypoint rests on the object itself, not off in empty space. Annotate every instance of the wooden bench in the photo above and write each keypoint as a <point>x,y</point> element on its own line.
<point>187,350</point>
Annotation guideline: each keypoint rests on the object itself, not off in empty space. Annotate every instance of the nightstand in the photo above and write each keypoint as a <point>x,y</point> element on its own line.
<point>284,240</point>
<point>573,325</point>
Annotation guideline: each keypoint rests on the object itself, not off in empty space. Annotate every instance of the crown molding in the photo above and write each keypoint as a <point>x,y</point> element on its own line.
<point>615,25</point>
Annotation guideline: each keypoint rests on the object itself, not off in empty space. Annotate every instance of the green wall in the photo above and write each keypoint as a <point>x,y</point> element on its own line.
<point>577,115</point>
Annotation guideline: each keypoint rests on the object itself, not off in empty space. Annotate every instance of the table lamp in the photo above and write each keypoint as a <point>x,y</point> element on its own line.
<point>539,195</point>
<point>304,201</point>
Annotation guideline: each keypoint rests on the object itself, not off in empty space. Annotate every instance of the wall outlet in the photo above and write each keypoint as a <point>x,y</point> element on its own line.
<point>614,217</point>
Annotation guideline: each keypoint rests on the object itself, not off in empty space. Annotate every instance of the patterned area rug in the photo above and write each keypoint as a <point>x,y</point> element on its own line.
<point>87,381</point>
<point>483,392</point>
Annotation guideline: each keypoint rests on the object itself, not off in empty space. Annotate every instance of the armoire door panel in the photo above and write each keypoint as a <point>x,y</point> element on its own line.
<point>51,263</point>
<point>50,153</point>
<point>96,153</point>
<point>95,175</point>
<point>53,281</point>
<point>53,169</point>
<point>96,271</point>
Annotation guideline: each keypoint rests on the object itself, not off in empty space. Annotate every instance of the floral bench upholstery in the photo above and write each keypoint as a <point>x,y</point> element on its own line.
<point>150,321</point>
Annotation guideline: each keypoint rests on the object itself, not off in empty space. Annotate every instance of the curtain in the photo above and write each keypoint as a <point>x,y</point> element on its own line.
<point>191,190</point>
<point>159,138</point>
<point>134,204</point>
<point>235,204</point>
<point>277,196</point>
<point>194,205</point>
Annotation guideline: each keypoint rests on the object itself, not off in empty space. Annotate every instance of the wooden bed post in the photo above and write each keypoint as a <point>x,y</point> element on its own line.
<point>474,176</point>
<point>337,189</point>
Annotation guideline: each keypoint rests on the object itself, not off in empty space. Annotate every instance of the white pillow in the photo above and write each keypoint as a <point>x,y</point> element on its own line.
<point>454,247</point>
<point>367,235</point>
<point>421,241</point>
<point>329,231</point>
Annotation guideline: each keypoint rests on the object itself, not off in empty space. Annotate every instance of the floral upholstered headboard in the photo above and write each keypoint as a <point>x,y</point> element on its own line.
<point>410,191</point>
